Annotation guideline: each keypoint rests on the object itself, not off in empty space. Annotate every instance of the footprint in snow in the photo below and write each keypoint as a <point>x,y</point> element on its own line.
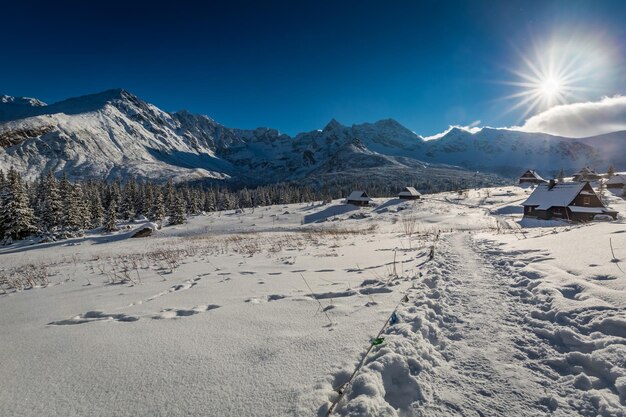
<point>92,316</point>
<point>173,313</point>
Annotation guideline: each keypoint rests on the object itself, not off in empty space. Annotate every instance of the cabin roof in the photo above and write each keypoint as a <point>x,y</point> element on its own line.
<point>581,209</point>
<point>617,179</point>
<point>358,196</point>
<point>586,170</point>
<point>409,191</point>
<point>532,173</point>
<point>560,195</point>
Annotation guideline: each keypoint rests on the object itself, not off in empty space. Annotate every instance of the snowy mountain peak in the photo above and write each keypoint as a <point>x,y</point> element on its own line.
<point>333,125</point>
<point>26,101</point>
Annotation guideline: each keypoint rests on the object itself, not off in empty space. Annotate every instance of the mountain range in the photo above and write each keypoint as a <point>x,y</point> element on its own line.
<point>115,134</point>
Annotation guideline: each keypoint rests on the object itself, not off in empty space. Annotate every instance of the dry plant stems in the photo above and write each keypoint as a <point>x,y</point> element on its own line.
<point>24,277</point>
<point>330,322</point>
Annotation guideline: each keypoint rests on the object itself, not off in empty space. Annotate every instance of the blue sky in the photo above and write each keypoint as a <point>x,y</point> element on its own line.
<point>294,65</point>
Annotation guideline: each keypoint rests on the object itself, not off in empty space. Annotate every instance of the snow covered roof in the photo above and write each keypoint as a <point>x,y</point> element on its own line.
<point>586,170</point>
<point>531,173</point>
<point>580,209</point>
<point>358,196</point>
<point>409,191</point>
<point>560,195</point>
<point>617,179</point>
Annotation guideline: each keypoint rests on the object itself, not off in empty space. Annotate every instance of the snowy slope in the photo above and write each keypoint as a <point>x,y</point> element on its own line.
<point>502,321</point>
<point>116,134</point>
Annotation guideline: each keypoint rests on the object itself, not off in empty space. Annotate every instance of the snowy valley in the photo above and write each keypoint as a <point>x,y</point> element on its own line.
<point>463,308</point>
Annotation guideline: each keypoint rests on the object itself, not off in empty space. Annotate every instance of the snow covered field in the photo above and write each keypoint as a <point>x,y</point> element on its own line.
<point>266,312</point>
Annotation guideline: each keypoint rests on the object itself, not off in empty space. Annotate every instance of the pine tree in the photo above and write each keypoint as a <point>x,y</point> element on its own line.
<point>110,221</point>
<point>51,208</point>
<point>76,214</point>
<point>610,171</point>
<point>177,213</point>
<point>127,207</point>
<point>96,212</point>
<point>157,211</point>
<point>17,219</point>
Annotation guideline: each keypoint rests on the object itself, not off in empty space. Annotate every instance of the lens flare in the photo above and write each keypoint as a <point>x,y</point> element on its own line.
<point>561,70</point>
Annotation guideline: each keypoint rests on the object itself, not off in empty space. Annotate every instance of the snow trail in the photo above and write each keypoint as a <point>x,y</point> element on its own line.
<point>454,351</point>
<point>483,374</point>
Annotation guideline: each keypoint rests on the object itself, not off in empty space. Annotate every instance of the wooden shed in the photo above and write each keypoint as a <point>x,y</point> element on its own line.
<point>616,181</point>
<point>586,174</point>
<point>409,193</point>
<point>575,201</point>
<point>531,177</point>
<point>358,198</point>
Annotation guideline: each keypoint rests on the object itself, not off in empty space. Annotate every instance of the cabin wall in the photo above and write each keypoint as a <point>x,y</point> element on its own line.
<point>358,203</point>
<point>594,201</point>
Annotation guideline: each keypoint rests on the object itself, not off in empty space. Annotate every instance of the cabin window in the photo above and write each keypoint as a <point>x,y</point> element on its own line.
<point>556,210</point>
<point>586,200</point>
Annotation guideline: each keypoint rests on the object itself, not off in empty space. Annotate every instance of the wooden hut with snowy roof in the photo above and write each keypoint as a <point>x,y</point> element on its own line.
<point>616,181</point>
<point>574,201</point>
<point>531,177</point>
<point>409,193</point>
<point>586,174</point>
<point>358,198</point>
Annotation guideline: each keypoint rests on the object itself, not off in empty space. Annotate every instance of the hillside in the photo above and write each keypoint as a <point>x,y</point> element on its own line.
<point>114,134</point>
<point>268,312</point>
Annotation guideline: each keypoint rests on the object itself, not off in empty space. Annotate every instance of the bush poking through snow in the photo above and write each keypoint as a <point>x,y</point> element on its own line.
<point>24,277</point>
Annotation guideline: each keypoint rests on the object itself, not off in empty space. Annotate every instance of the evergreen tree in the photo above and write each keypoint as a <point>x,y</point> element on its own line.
<point>76,214</point>
<point>127,207</point>
<point>610,171</point>
<point>51,209</point>
<point>157,211</point>
<point>110,221</point>
<point>177,213</point>
<point>561,176</point>
<point>96,212</point>
<point>17,219</point>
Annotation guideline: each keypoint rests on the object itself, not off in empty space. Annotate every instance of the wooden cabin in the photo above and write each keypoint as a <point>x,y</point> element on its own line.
<point>409,193</point>
<point>575,201</point>
<point>616,181</point>
<point>358,198</point>
<point>531,177</point>
<point>586,174</point>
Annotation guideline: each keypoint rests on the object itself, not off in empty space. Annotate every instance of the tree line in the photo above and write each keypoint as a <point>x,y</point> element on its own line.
<point>59,208</point>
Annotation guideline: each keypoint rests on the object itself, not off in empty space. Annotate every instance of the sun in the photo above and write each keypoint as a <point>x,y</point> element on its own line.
<point>560,70</point>
<point>550,87</point>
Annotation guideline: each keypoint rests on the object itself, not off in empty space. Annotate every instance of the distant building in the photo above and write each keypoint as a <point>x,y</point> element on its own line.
<point>531,177</point>
<point>409,193</point>
<point>616,181</point>
<point>586,174</point>
<point>358,198</point>
<point>574,201</point>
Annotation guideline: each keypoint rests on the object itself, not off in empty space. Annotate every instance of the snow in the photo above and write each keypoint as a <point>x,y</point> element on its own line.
<point>114,134</point>
<point>266,312</point>
<point>560,195</point>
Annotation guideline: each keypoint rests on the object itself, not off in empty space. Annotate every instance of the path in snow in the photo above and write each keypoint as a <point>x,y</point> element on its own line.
<point>483,374</point>
<point>455,350</point>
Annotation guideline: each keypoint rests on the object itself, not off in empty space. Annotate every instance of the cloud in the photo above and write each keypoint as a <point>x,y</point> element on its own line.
<point>580,119</point>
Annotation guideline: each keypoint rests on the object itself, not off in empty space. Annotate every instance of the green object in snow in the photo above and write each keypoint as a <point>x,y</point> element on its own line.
<point>378,341</point>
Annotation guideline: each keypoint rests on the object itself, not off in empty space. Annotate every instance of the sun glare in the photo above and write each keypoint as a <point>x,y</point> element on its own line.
<point>559,71</point>
<point>550,87</point>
